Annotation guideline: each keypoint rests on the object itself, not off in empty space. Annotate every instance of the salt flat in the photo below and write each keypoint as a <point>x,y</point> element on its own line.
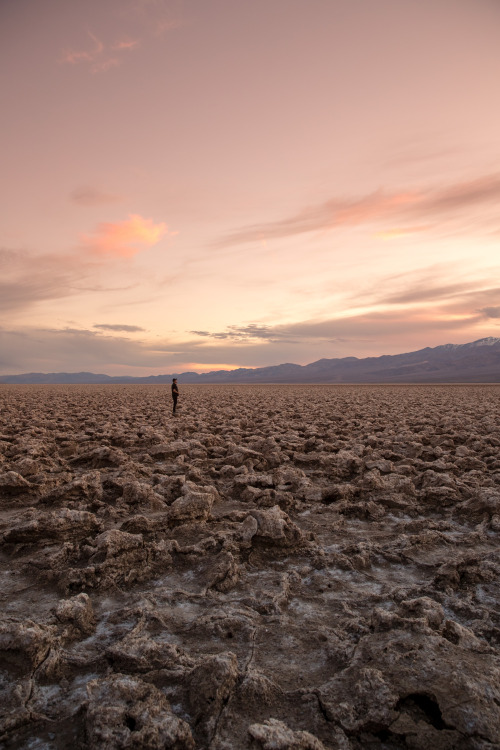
<point>290,567</point>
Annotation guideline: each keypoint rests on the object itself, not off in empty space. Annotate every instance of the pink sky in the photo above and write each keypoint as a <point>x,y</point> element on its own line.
<point>205,184</point>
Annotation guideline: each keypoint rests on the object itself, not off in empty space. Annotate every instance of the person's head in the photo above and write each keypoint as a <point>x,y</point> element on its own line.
<point>174,380</point>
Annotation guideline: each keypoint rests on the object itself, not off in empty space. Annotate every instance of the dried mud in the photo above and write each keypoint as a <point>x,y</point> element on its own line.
<point>285,567</point>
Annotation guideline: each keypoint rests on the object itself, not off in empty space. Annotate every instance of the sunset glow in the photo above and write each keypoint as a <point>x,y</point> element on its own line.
<point>192,183</point>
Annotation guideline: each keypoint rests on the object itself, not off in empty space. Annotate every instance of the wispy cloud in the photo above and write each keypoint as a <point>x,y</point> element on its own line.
<point>27,278</point>
<point>163,25</point>
<point>124,239</point>
<point>138,23</point>
<point>250,332</point>
<point>96,56</point>
<point>88,55</point>
<point>91,196</point>
<point>395,233</point>
<point>72,349</point>
<point>431,285</point>
<point>423,291</point>
<point>490,312</point>
<point>119,327</point>
<point>380,207</point>
<point>125,44</point>
<point>375,326</point>
<point>99,57</point>
<point>423,305</point>
<point>101,66</point>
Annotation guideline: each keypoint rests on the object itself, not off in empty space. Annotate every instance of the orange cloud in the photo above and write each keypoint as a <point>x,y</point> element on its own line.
<point>124,239</point>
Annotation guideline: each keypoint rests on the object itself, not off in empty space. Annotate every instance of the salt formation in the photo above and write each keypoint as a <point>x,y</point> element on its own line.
<point>278,567</point>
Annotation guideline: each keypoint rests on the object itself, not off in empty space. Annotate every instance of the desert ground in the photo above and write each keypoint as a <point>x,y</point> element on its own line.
<point>277,567</point>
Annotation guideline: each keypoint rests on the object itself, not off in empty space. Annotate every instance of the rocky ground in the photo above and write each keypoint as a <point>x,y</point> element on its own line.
<point>277,568</point>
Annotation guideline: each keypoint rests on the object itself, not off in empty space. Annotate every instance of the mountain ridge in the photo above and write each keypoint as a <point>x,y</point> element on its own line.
<point>474,362</point>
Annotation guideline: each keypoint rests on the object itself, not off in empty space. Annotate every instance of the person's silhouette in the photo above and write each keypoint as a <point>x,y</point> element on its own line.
<point>175,393</point>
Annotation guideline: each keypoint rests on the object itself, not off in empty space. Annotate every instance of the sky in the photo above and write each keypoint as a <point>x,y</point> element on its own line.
<point>212,184</point>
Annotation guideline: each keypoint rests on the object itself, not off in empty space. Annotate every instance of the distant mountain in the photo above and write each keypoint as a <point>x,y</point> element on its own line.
<point>477,362</point>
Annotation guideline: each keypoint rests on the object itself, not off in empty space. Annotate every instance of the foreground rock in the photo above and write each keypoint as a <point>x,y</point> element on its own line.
<point>299,568</point>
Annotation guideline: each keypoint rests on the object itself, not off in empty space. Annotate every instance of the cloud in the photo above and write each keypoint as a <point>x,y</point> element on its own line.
<point>71,349</point>
<point>419,311</point>
<point>73,57</point>
<point>125,44</point>
<point>90,196</point>
<point>333,213</point>
<point>430,286</point>
<point>163,25</point>
<point>427,290</point>
<point>490,312</point>
<point>27,278</point>
<point>465,194</point>
<point>240,333</point>
<point>382,325</point>
<point>124,239</point>
<point>103,65</point>
<point>207,334</point>
<point>396,232</point>
<point>96,56</point>
<point>377,207</point>
<point>118,327</point>
<point>53,350</point>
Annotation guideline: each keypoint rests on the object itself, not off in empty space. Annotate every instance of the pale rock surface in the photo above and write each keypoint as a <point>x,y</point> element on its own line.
<point>275,735</point>
<point>124,712</point>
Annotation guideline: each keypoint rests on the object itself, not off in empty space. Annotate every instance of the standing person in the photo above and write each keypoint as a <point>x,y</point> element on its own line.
<point>175,393</point>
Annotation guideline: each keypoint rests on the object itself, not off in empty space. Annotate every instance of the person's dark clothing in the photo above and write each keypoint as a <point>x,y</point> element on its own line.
<point>175,395</point>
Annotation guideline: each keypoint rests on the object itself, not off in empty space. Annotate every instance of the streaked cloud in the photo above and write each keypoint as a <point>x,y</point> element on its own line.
<point>379,207</point>
<point>374,325</point>
<point>490,312</point>
<point>36,348</point>
<point>27,278</point>
<point>125,44</point>
<point>52,350</point>
<point>88,55</point>
<point>103,65</point>
<point>428,290</point>
<point>239,333</point>
<point>155,19</point>
<point>118,327</point>
<point>423,306</point>
<point>396,232</point>
<point>124,239</point>
<point>98,56</point>
<point>162,25</point>
<point>431,285</point>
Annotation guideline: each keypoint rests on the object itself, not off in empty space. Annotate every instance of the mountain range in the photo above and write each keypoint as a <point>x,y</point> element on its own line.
<point>476,362</point>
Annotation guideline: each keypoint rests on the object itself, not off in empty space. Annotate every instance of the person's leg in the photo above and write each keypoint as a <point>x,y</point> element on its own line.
<point>175,404</point>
